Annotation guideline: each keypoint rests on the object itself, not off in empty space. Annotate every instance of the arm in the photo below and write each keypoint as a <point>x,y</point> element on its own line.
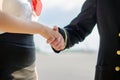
<point>9,23</point>
<point>80,27</point>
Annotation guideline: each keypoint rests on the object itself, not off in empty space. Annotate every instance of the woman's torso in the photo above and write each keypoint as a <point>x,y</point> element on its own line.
<point>17,50</point>
<point>21,9</point>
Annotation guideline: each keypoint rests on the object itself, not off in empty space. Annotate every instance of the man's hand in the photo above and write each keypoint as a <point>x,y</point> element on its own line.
<point>58,43</point>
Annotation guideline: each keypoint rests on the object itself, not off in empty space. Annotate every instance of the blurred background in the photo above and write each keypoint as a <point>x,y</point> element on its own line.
<point>76,63</point>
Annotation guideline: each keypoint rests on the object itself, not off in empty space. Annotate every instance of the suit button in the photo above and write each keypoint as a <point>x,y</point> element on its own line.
<point>118,52</point>
<point>119,34</point>
<point>117,68</point>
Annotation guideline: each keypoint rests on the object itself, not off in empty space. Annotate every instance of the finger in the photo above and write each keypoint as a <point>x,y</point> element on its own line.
<point>57,41</point>
<point>55,28</point>
<point>59,46</point>
<point>50,40</point>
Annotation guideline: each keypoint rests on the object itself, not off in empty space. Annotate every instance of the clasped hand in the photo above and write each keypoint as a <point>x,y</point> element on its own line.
<point>55,39</point>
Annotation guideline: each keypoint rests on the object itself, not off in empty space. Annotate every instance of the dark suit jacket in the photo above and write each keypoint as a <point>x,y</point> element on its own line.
<point>106,13</point>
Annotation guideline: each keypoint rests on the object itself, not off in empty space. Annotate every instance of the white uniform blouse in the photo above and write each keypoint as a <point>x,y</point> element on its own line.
<point>18,8</point>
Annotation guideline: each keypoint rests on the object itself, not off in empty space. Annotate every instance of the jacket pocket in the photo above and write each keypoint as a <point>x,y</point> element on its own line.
<point>105,73</point>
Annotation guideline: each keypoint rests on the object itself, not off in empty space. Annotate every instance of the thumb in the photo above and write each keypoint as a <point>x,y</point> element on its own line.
<point>55,28</point>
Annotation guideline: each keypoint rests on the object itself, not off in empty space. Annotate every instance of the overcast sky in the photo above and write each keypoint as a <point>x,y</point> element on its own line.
<point>63,4</point>
<point>60,12</point>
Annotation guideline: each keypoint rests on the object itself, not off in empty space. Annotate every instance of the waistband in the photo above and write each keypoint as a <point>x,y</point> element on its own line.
<point>16,38</point>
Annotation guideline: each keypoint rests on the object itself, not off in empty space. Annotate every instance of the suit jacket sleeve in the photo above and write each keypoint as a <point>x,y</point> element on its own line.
<point>81,26</point>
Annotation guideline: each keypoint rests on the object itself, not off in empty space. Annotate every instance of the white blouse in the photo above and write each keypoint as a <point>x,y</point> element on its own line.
<point>18,8</point>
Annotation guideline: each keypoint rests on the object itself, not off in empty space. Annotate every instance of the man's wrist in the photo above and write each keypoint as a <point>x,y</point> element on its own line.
<point>66,37</point>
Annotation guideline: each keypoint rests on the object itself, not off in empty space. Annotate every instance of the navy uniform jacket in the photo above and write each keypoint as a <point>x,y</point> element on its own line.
<point>106,13</point>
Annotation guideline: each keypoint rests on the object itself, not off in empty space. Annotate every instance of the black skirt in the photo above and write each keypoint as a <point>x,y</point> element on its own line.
<point>17,51</point>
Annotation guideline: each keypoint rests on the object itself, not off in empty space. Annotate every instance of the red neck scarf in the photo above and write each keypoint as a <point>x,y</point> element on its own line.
<point>37,6</point>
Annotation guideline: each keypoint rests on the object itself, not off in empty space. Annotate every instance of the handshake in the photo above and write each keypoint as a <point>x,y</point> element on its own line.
<point>54,38</point>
